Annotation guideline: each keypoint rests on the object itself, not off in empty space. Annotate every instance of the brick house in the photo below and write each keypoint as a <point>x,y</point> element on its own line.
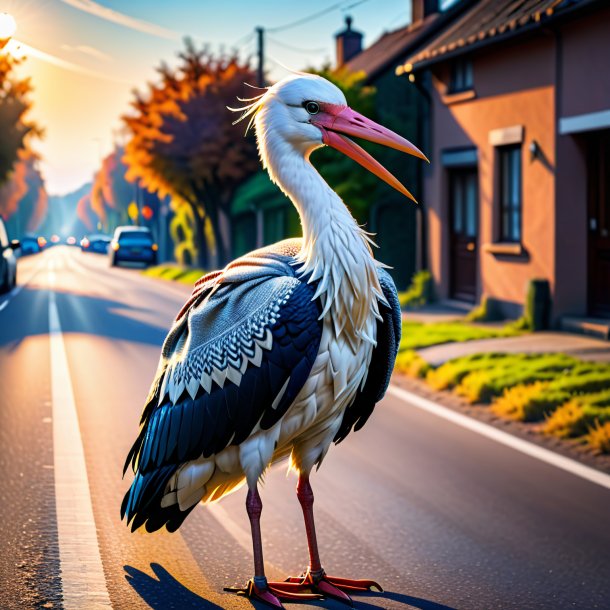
<point>519,125</point>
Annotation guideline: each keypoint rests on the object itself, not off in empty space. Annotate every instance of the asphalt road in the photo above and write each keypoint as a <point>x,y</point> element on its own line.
<point>441,516</point>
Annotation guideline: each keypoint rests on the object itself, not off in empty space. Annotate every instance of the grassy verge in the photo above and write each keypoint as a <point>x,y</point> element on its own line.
<point>185,275</point>
<point>416,335</point>
<point>564,396</point>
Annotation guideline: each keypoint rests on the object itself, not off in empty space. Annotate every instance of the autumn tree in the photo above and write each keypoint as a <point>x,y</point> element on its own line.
<point>23,198</point>
<point>14,104</point>
<point>184,144</point>
<point>111,193</point>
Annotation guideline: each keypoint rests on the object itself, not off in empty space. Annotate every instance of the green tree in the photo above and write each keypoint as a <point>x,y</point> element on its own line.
<point>184,144</point>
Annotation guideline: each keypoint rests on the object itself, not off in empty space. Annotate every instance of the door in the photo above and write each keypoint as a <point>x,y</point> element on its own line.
<point>464,228</point>
<point>598,161</point>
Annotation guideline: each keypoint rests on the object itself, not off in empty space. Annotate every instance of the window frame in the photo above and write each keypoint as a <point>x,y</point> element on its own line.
<point>510,193</point>
<point>461,77</point>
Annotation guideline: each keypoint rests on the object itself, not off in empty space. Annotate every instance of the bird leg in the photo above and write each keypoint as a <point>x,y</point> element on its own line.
<point>314,578</point>
<point>257,587</point>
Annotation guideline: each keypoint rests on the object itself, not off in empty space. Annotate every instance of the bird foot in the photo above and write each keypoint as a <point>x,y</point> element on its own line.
<point>333,586</point>
<point>271,593</point>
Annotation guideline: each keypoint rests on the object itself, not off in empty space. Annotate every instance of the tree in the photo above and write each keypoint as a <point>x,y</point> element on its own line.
<point>23,198</point>
<point>14,104</point>
<point>111,194</point>
<point>184,144</point>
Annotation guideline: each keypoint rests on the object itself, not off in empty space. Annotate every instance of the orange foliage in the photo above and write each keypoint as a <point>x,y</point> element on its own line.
<point>183,141</point>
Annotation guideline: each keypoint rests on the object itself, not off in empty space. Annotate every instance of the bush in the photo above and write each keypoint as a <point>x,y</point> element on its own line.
<point>599,438</point>
<point>578,415</point>
<point>452,372</point>
<point>419,292</point>
<point>483,385</point>
<point>488,311</point>
<point>528,402</point>
<point>412,364</point>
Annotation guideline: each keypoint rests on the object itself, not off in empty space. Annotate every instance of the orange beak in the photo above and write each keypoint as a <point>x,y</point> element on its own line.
<point>334,121</point>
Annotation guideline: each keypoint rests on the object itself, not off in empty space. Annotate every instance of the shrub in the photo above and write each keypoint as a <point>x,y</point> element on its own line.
<point>412,364</point>
<point>483,385</point>
<point>579,414</point>
<point>528,402</point>
<point>487,311</point>
<point>419,292</point>
<point>452,372</point>
<point>599,438</point>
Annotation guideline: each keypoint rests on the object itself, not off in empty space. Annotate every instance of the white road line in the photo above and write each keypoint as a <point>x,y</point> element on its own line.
<point>518,444</point>
<point>82,573</point>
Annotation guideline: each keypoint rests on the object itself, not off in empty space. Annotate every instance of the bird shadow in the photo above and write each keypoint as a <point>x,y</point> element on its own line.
<point>165,591</point>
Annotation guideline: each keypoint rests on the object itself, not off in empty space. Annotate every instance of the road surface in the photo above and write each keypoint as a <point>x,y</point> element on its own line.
<point>441,516</point>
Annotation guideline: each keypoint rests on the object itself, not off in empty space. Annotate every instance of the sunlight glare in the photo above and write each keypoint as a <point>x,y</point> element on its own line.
<point>7,26</point>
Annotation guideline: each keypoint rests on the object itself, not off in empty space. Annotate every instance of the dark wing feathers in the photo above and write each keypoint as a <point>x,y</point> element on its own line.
<point>382,361</point>
<point>173,433</point>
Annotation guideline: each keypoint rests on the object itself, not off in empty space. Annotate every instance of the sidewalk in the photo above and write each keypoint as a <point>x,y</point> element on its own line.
<point>580,346</point>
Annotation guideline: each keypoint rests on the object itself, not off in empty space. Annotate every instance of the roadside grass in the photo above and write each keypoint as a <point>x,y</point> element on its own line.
<point>184,275</point>
<point>565,396</point>
<point>416,335</point>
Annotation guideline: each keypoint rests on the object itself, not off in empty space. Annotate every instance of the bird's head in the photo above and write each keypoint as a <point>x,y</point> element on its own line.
<point>306,111</point>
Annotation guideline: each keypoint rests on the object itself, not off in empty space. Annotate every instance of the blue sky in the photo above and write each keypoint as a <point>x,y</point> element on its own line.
<point>86,56</point>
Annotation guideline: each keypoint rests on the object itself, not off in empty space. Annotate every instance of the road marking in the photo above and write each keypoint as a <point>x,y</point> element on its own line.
<point>82,574</point>
<point>535,451</point>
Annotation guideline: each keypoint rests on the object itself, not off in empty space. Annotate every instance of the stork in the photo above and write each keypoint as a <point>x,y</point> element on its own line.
<point>282,352</point>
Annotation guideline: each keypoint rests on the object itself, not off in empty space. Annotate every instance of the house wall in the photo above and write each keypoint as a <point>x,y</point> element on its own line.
<point>583,49</point>
<point>513,86</point>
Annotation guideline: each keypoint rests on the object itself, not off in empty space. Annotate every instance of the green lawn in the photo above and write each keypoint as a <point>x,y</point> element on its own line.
<point>563,395</point>
<point>416,335</point>
<point>184,275</point>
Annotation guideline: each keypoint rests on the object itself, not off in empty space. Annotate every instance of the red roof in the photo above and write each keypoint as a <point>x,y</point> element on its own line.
<point>389,48</point>
<point>491,19</point>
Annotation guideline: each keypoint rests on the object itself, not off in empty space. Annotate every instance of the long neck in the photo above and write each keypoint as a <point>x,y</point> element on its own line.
<point>335,249</point>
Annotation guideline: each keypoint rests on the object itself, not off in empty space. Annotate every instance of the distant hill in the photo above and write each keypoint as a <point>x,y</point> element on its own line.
<point>61,216</point>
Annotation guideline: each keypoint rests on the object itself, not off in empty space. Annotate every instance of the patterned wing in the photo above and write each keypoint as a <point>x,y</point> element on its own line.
<point>235,359</point>
<point>382,361</point>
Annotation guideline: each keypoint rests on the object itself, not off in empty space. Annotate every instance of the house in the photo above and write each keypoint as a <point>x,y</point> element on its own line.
<point>519,181</point>
<point>400,106</point>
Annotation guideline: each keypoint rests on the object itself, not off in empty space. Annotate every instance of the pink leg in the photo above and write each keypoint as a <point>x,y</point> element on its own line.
<point>315,576</point>
<point>258,587</point>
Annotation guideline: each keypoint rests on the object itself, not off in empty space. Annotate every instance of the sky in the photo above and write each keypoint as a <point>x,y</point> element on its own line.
<point>85,57</point>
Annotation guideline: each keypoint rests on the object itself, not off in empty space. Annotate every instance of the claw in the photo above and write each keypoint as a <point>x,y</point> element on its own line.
<point>355,585</point>
<point>274,592</point>
<point>333,586</point>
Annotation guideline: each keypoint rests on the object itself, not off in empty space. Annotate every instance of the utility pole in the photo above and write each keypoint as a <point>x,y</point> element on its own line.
<point>260,33</point>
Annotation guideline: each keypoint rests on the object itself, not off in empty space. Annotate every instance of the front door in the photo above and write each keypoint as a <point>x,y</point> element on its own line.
<point>599,223</point>
<point>463,218</point>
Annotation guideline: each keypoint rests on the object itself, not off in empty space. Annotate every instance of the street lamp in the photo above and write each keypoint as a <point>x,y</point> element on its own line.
<point>7,28</point>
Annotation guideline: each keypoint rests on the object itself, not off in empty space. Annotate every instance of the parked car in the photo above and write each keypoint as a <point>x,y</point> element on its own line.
<point>96,242</point>
<point>30,244</point>
<point>8,261</point>
<point>133,244</point>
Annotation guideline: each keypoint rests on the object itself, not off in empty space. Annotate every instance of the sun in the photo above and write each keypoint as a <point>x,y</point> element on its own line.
<point>7,26</point>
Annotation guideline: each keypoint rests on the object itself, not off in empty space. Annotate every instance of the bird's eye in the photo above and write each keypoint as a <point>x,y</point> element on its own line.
<point>312,107</point>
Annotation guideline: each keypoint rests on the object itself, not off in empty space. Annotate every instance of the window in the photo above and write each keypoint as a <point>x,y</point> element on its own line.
<point>461,76</point>
<point>510,193</point>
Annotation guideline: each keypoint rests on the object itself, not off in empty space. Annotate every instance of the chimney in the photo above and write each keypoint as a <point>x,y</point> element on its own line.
<point>349,43</point>
<point>420,9</point>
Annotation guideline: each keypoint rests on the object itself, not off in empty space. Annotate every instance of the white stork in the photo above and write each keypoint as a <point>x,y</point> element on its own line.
<point>282,352</point>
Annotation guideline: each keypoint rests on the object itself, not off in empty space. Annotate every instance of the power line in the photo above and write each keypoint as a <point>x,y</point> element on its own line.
<point>313,16</point>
